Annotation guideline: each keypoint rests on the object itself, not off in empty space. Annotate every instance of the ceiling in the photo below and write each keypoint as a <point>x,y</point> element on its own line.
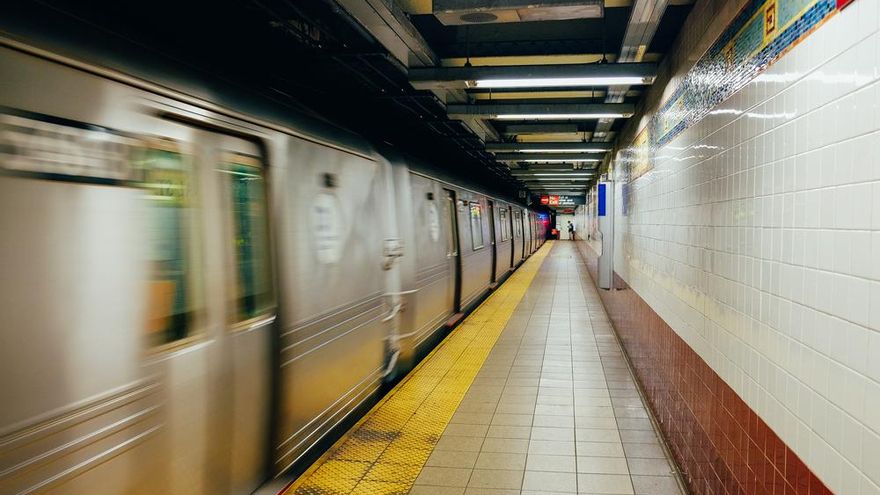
<point>355,62</point>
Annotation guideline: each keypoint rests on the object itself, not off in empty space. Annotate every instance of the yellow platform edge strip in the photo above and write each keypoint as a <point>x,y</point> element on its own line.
<point>385,451</point>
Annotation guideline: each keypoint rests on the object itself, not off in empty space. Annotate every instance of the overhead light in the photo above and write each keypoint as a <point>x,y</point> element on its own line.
<point>532,76</point>
<point>562,150</point>
<point>561,178</point>
<point>556,82</point>
<point>564,175</point>
<point>558,116</point>
<point>561,160</point>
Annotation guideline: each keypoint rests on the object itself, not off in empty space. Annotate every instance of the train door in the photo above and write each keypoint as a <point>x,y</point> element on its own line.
<point>492,241</point>
<point>250,309</point>
<point>452,249</point>
<point>211,306</point>
<point>240,298</point>
<point>512,235</point>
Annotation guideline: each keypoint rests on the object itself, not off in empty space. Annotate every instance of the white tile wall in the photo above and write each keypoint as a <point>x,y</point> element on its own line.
<point>757,238</point>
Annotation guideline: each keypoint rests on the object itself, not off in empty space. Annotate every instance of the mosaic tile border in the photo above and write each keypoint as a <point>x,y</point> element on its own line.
<point>762,32</point>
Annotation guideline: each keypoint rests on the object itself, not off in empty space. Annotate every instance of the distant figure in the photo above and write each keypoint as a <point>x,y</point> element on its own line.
<point>570,230</point>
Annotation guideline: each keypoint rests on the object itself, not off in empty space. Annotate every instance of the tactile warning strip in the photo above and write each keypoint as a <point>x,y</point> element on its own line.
<point>386,450</point>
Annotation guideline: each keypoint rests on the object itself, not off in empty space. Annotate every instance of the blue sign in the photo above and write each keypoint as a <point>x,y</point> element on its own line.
<point>602,200</point>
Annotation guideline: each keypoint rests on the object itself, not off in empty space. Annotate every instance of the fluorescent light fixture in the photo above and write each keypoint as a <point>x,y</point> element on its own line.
<point>561,178</point>
<point>562,150</point>
<point>558,116</point>
<point>560,160</point>
<point>564,175</point>
<point>556,82</point>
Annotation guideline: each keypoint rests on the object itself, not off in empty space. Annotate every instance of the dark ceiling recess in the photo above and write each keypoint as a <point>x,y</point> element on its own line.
<point>525,38</point>
<point>314,56</point>
<point>302,53</point>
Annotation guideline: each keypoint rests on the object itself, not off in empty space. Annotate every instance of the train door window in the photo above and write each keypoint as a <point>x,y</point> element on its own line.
<point>517,224</point>
<point>502,214</point>
<point>452,239</point>
<point>252,292</point>
<point>172,304</point>
<point>476,217</point>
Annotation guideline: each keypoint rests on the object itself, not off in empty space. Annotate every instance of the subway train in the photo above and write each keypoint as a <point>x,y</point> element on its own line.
<point>197,294</point>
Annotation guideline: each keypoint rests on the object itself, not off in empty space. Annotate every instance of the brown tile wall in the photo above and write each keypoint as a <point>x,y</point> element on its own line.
<point>719,443</point>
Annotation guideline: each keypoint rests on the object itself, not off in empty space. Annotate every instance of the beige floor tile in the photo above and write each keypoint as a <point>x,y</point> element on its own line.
<point>649,467</point>
<point>463,444</point>
<point>441,458</point>
<point>551,447</point>
<point>436,490</point>
<point>496,478</point>
<point>443,476</point>
<point>515,445</point>
<point>501,460</point>
<point>499,431</point>
<point>463,430</point>
<point>655,485</point>
<point>599,449</point>
<point>602,465</point>
<point>616,484</point>
<point>550,481</point>
<point>552,463</point>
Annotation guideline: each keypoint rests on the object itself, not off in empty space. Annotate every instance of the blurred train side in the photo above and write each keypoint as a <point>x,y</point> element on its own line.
<point>194,296</point>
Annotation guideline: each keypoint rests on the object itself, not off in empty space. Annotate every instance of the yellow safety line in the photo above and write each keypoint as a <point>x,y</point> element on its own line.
<point>385,451</point>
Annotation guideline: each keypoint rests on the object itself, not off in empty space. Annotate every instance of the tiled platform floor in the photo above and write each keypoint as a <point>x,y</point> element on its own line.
<point>552,410</point>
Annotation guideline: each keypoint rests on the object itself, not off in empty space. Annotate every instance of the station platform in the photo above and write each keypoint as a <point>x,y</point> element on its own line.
<point>530,394</point>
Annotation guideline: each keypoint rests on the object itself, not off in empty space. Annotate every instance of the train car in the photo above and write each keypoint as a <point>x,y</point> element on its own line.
<point>458,246</point>
<point>503,240</point>
<point>198,291</point>
<point>155,243</point>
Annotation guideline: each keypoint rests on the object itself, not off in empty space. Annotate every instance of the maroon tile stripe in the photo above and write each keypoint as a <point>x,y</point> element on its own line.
<point>719,443</point>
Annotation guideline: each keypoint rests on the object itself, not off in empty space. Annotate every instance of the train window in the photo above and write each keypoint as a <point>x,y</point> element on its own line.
<point>171,307</point>
<point>476,217</point>
<point>505,224</point>
<point>253,288</point>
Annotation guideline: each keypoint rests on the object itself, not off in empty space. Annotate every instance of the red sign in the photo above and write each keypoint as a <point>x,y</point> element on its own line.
<point>843,3</point>
<point>550,200</point>
<point>545,200</point>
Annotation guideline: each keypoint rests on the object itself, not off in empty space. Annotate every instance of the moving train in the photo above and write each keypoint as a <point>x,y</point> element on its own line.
<point>195,293</point>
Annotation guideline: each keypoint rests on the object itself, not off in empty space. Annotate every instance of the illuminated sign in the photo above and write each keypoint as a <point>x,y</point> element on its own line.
<point>553,200</point>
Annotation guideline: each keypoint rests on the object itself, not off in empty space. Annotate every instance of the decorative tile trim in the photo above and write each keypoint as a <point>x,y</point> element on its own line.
<point>762,32</point>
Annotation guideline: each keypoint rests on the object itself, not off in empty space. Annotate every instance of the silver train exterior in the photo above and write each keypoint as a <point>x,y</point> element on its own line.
<point>194,295</point>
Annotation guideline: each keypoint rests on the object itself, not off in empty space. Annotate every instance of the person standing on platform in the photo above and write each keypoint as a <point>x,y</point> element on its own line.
<point>570,231</point>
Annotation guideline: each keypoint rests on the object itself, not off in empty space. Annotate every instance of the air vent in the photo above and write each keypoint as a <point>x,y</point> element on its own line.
<point>458,12</point>
<point>478,17</point>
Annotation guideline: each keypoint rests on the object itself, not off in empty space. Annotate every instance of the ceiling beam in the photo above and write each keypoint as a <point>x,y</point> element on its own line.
<point>532,76</point>
<point>541,129</point>
<point>540,111</point>
<point>548,157</point>
<point>544,147</point>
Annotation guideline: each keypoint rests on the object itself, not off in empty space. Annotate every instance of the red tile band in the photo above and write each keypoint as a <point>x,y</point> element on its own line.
<point>719,443</point>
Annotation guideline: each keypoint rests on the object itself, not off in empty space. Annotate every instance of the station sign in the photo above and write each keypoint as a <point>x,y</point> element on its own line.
<point>553,200</point>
